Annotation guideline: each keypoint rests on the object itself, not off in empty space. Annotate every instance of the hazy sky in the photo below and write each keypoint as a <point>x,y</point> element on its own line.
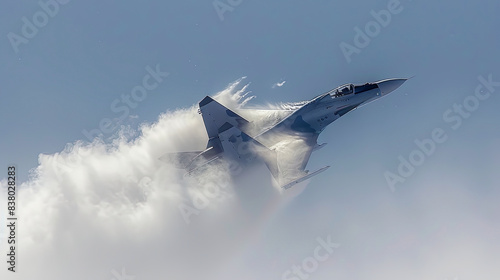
<point>70,68</point>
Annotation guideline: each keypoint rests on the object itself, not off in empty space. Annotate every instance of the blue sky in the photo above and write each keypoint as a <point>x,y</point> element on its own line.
<point>64,80</point>
<point>66,77</point>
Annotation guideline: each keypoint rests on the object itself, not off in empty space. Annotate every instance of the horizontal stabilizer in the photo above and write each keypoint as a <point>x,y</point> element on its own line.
<point>199,166</point>
<point>180,160</point>
<point>185,160</point>
<point>296,181</point>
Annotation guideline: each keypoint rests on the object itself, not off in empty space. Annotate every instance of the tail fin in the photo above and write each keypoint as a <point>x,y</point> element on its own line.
<point>215,115</point>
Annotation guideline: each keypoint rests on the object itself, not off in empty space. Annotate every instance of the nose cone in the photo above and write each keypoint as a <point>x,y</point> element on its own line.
<point>389,85</point>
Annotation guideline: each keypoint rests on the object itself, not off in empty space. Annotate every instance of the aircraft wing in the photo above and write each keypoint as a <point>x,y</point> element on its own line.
<point>286,160</point>
<point>288,163</point>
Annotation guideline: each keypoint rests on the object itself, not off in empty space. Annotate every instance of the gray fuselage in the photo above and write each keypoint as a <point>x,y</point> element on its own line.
<point>321,111</point>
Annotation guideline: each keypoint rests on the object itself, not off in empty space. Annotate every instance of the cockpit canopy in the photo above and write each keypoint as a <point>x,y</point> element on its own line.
<point>350,88</point>
<point>342,90</point>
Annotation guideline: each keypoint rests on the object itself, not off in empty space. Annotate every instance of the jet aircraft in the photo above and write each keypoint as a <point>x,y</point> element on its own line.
<point>286,146</point>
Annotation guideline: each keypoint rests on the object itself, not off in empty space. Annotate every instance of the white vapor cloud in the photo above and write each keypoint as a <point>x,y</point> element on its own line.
<point>95,208</point>
<point>102,210</point>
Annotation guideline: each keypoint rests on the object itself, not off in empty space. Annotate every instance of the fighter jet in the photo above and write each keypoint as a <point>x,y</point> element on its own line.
<point>286,146</point>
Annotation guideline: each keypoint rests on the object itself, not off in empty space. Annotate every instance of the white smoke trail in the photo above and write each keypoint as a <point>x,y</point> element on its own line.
<point>112,210</point>
<point>94,208</point>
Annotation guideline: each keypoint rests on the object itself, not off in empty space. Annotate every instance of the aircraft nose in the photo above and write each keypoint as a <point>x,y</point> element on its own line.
<point>389,85</point>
